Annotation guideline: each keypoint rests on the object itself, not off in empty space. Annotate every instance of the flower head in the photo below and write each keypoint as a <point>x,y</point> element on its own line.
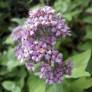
<point>36,40</point>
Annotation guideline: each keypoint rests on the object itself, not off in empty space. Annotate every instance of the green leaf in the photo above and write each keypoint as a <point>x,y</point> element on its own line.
<point>9,60</point>
<point>81,84</point>
<point>18,20</point>
<point>42,2</point>
<point>77,85</point>
<point>9,40</point>
<point>88,19</point>
<point>4,4</point>
<point>73,14</point>
<point>11,86</point>
<point>8,85</point>
<point>17,89</point>
<point>88,32</point>
<point>35,84</point>
<point>22,74</point>
<point>62,6</point>
<point>81,60</point>
<point>55,88</point>
<point>86,45</point>
<point>79,73</point>
<point>89,9</point>
<point>80,63</point>
<point>29,1</point>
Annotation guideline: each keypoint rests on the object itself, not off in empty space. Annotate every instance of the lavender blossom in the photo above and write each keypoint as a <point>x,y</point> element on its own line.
<point>36,40</point>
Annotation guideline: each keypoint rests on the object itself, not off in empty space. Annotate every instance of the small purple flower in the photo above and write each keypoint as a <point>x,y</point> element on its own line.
<point>19,53</point>
<point>30,66</point>
<point>16,35</point>
<point>52,74</point>
<point>68,68</point>
<point>36,40</point>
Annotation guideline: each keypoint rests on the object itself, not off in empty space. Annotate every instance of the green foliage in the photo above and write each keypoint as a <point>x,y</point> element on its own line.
<point>18,20</point>
<point>80,63</point>
<point>11,86</point>
<point>55,88</point>
<point>15,78</point>
<point>88,32</point>
<point>9,62</point>
<point>35,84</point>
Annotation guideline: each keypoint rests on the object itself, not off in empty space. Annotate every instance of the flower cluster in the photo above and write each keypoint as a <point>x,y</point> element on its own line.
<point>36,40</point>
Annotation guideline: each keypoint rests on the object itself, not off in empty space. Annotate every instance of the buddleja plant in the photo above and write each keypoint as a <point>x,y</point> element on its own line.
<point>36,40</point>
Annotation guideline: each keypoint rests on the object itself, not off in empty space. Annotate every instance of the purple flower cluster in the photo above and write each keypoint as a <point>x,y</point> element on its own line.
<point>36,40</point>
